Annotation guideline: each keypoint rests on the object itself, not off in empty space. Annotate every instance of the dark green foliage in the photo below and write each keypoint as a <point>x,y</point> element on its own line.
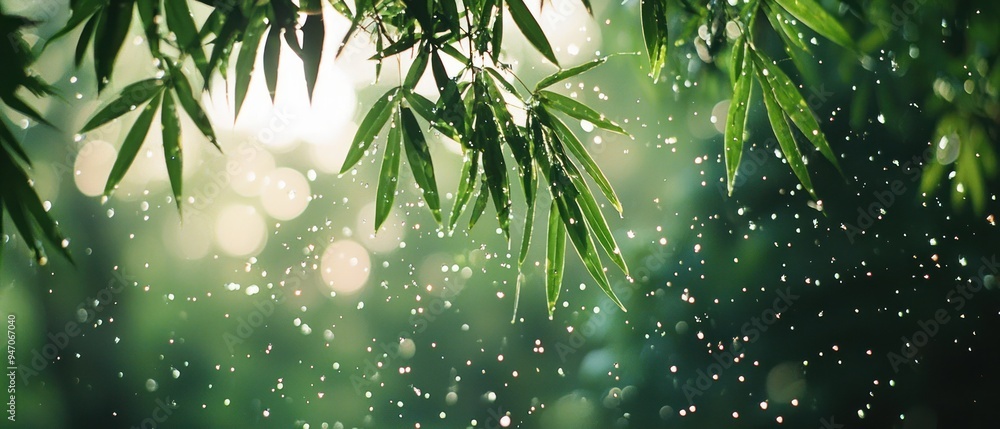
<point>474,106</point>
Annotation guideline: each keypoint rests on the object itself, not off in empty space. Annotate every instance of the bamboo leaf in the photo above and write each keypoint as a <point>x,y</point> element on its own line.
<point>655,34</point>
<point>247,57</point>
<point>389,175</point>
<point>817,18</point>
<point>589,165</point>
<point>193,108</point>
<point>578,110</point>
<point>555,258</point>
<point>427,110</point>
<point>148,11</point>
<point>180,22</point>
<point>172,153</point>
<point>85,37</point>
<point>109,36</point>
<point>486,137</point>
<point>568,73</point>
<point>482,198</point>
<point>736,120</point>
<point>272,56</point>
<point>530,28</point>
<point>591,212</point>
<point>786,140</point>
<point>81,11</point>
<point>466,184</point>
<point>130,97</point>
<point>133,141</point>
<point>370,127</point>
<point>794,105</point>
<point>419,157</point>
<point>577,230</point>
<point>313,35</point>
<point>416,70</point>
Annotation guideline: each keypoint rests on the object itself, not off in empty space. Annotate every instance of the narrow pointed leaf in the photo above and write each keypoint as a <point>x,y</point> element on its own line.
<point>530,28</point>
<point>813,15</point>
<point>148,11</point>
<point>15,102</point>
<point>575,227</point>
<point>482,199</point>
<point>389,175</point>
<point>108,39</point>
<point>81,11</point>
<point>272,55</point>
<point>579,110</point>
<point>85,37</point>
<point>779,20</point>
<point>172,153</point>
<point>555,258</point>
<point>133,141</point>
<point>130,97</point>
<point>786,140</point>
<point>795,106</point>
<point>487,138</point>
<point>736,121</point>
<point>427,110</point>
<point>313,35</point>
<point>247,58</point>
<point>502,81</point>
<point>370,127</point>
<point>466,184</point>
<point>417,69</point>
<point>568,73</point>
<point>589,165</point>
<point>181,23</point>
<point>595,218</point>
<point>193,108</point>
<point>497,41</point>
<point>655,34</point>
<point>419,157</point>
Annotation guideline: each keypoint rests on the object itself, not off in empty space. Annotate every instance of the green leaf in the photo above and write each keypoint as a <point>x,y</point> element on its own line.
<point>486,138</point>
<point>133,141</point>
<point>272,55</point>
<point>589,165</point>
<point>427,110</point>
<point>148,10</point>
<point>81,11</point>
<point>9,143</point>
<point>171,125</point>
<point>498,78</point>
<point>180,22</point>
<point>389,175</point>
<point>568,73</point>
<point>784,135</point>
<point>416,70</point>
<point>590,9</point>
<point>579,110</point>
<point>109,36</point>
<point>313,34</point>
<point>555,258</point>
<point>130,97</point>
<point>530,28</point>
<point>588,204</point>
<point>577,230</point>
<point>497,41</point>
<point>781,25</point>
<point>419,157</point>
<point>247,57</point>
<point>518,144</point>
<point>529,221</point>
<point>85,37</point>
<point>817,18</point>
<point>370,127</point>
<point>481,200</point>
<point>15,102</point>
<point>655,34</point>
<point>791,101</point>
<point>736,120</point>
<point>193,108</point>
<point>466,184</point>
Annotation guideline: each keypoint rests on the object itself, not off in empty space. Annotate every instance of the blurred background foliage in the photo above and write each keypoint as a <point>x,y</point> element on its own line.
<point>274,304</point>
